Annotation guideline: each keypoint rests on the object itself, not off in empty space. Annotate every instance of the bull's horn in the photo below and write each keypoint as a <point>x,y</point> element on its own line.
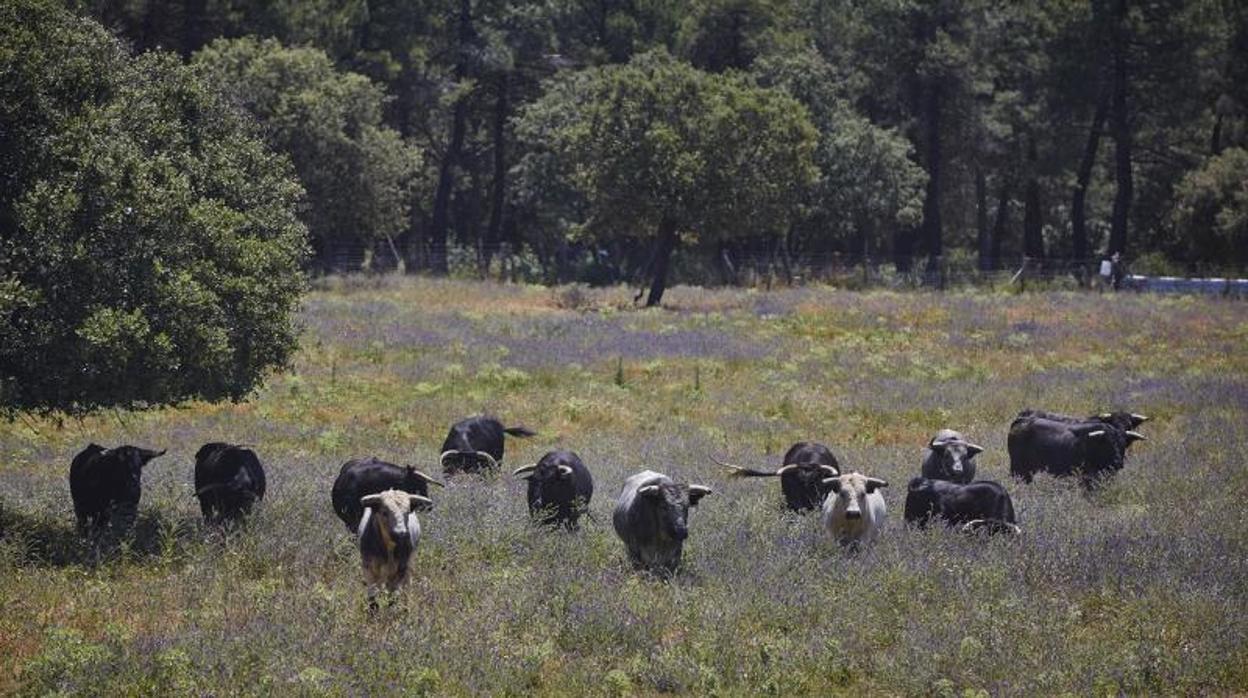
<point>425,477</point>
<point>370,499</point>
<point>565,470</point>
<point>697,492</point>
<point>1136,436</point>
<point>1141,418</point>
<point>830,469</point>
<point>442,458</point>
<point>974,448</point>
<point>788,468</point>
<point>934,444</point>
<point>877,482</point>
<point>1105,415</point>
<point>524,470</point>
<point>418,499</point>
<point>1097,433</point>
<point>648,490</point>
<point>488,457</point>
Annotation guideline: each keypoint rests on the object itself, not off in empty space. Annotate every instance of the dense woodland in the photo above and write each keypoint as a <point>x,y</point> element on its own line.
<point>593,138</point>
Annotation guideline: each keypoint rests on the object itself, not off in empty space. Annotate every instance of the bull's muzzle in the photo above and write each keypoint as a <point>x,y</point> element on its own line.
<point>853,514</point>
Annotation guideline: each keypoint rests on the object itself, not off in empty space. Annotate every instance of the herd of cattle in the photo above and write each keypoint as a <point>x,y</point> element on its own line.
<point>378,501</point>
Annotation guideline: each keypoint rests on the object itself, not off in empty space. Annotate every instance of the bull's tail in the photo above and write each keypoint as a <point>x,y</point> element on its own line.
<point>520,431</point>
<point>738,471</point>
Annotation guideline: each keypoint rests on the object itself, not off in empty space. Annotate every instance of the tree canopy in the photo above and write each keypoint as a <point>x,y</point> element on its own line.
<point>149,246</point>
<point>658,148</point>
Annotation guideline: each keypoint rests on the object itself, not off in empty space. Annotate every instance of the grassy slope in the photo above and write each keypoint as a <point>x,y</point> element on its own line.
<point>1141,588</point>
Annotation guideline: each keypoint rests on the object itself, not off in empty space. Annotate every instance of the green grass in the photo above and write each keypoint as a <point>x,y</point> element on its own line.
<point>1139,588</point>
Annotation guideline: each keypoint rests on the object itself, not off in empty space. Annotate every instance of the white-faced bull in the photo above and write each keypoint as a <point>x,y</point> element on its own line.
<point>475,444</point>
<point>978,506</point>
<point>560,488</point>
<point>365,476</point>
<point>854,511</point>
<point>802,474</point>
<point>229,480</point>
<point>652,519</point>
<point>949,456</point>
<point>1091,449</point>
<point>106,484</point>
<point>388,534</point>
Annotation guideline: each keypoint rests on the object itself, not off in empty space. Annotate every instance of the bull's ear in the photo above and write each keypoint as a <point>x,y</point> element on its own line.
<point>697,492</point>
<point>649,491</point>
<point>369,500</point>
<point>833,482</point>
<point>874,482</point>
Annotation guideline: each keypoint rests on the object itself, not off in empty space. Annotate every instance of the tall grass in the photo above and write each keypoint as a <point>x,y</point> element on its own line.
<point>1141,587</point>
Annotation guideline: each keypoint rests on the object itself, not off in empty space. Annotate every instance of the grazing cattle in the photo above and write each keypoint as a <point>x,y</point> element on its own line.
<point>854,512</point>
<point>982,505</point>
<point>476,444</point>
<point>560,488</point>
<point>651,518</point>
<point>1125,421</point>
<point>949,456</point>
<point>806,466</point>
<point>388,534</point>
<point>229,479</point>
<point>365,476</point>
<point>106,484</point>
<point>1090,449</point>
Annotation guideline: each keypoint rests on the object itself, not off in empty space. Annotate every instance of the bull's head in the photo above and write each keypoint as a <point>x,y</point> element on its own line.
<point>390,509</point>
<point>134,458</point>
<point>851,492</point>
<point>671,503</point>
<point>954,454</point>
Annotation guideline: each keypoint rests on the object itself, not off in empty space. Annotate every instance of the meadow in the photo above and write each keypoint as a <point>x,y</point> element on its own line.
<point>1138,588</point>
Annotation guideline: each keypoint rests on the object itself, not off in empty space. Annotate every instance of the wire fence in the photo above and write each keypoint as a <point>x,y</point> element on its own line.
<point>771,268</point>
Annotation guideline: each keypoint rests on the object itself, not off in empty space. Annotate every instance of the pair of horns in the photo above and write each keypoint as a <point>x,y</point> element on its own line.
<point>695,491</point>
<point>872,482</point>
<point>526,471</point>
<point>798,466</point>
<point>972,448</point>
<point>369,500</point>
<point>1131,435</point>
<point>480,454</point>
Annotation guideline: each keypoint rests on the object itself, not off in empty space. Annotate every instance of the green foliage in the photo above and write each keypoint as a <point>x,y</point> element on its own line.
<point>1212,208</point>
<point>656,140</point>
<point>359,174</point>
<point>149,248</point>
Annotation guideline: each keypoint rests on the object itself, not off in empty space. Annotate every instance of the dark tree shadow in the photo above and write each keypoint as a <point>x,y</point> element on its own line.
<point>44,542</point>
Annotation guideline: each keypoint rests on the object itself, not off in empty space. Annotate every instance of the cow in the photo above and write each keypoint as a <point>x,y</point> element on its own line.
<point>106,483</point>
<point>651,518</point>
<point>475,444</point>
<point>1125,421</point>
<point>854,511</point>
<point>949,456</point>
<point>560,488</point>
<point>1092,449</point>
<point>982,505</point>
<point>388,534</point>
<point>229,479</point>
<point>806,465</point>
<point>365,476</point>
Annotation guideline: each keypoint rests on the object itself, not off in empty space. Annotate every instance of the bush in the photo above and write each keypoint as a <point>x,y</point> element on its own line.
<point>149,248</point>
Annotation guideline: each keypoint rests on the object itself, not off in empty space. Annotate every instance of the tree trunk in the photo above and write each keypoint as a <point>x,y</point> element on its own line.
<point>1121,125</point>
<point>1033,224</point>
<point>931,202</point>
<point>999,227</point>
<point>438,226</point>
<point>664,247</point>
<point>498,193</point>
<point>193,27</point>
<point>983,236</point>
<point>1078,225</point>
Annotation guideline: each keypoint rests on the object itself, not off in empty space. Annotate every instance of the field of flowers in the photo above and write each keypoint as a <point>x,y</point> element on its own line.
<point>1141,587</point>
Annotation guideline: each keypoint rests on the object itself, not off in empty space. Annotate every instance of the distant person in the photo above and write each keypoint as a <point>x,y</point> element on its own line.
<point>1107,272</point>
<point>1117,270</point>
